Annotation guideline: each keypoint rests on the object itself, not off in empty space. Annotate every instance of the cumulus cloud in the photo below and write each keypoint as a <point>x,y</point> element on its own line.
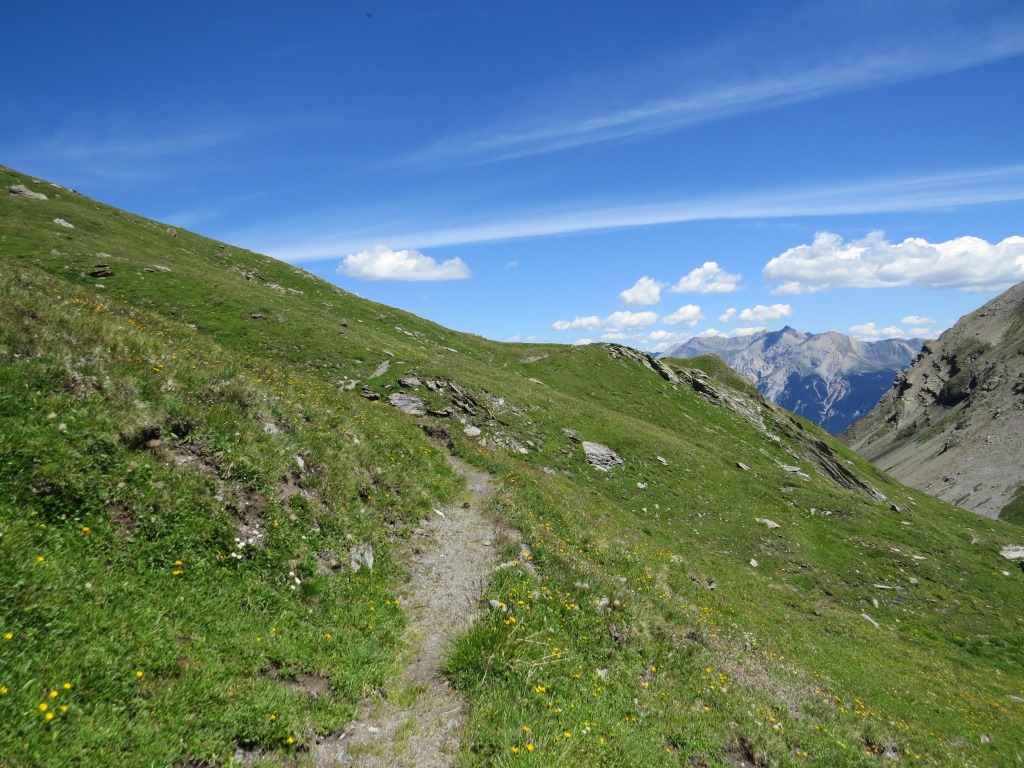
<point>967,263</point>
<point>382,263</point>
<point>582,342</point>
<point>728,315</point>
<point>644,293</point>
<point>871,332</point>
<point>735,332</point>
<point>615,322</point>
<point>708,278</point>
<point>917,320</point>
<point>762,313</point>
<point>590,323</point>
<point>687,315</point>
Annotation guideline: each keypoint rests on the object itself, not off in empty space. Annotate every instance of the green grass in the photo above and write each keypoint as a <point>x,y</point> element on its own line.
<point>775,665</point>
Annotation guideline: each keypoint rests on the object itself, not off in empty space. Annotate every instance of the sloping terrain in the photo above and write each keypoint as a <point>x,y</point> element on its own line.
<point>193,463</point>
<point>953,423</point>
<point>828,378</point>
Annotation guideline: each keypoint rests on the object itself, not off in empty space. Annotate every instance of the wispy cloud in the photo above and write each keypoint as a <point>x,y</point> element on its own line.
<point>713,102</point>
<point>921,193</point>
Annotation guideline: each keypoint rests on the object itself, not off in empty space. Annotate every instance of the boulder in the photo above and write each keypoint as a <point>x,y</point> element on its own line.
<point>408,404</point>
<point>766,521</point>
<point>1012,552</point>
<point>410,382</point>
<point>21,189</point>
<point>361,556</point>
<point>601,456</point>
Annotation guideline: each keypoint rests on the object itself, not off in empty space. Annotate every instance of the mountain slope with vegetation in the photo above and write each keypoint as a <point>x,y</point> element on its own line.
<point>829,378</point>
<point>192,459</point>
<point>952,424</point>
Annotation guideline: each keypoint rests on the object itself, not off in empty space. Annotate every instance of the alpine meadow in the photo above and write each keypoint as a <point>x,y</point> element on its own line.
<point>229,499</point>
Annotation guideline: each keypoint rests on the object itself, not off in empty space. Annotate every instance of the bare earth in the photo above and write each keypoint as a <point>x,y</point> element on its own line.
<point>419,724</point>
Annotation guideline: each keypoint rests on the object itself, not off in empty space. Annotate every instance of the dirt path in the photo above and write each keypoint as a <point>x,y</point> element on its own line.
<point>418,725</point>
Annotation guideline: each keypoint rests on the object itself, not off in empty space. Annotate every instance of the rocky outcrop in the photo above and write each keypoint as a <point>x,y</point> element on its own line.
<point>953,423</point>
<point>601,456</point>
<point>828,378</point>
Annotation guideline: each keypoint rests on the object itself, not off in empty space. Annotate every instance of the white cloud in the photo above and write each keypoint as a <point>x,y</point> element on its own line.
<point>762,313</point>
<point>673,109</point>
<point>615,322</point>
<point>582,342</point>
<point>589,323</point>
<point>382,263</point>
<point>688,315</point>
<point>644,293</point>
<point>728,315</point>
<point>512,265</point>
<point>735,332</point>
<point>870,332</point>
<point>620,321</point>
<point>708,278</point>
<point>917,320</point>
<point>967,263</point>
<point>923,193</point>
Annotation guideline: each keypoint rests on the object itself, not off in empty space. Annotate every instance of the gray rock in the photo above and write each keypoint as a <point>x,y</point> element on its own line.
<point>766,521</point>
<point>471,431</point>
<point>410,382</point>
<point>21,189</point>
<point>64,223</point>
<point>601,456</point>
<point>662,460</point>
<point>753,563</point>
<point>361,556</point>
<point>369,394</point>
<point>408,404</point>
<point>570,434</point>
<point>1012,552</point>
<point>742,466</point>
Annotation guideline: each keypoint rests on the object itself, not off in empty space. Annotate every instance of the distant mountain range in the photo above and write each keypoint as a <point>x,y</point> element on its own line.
<point>828,378</point>
<point>953,423</point>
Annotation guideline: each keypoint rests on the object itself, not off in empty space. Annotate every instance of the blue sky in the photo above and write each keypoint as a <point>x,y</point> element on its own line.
<point>639,172</point>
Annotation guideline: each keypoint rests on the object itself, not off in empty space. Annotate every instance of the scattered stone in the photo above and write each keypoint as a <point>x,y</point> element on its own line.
<point>766,521</point>
<point>471,431</point>
<point>536,381</point>
<point>1012,552</point>
<point>794,471</point>
<point>602,673</point>
<point>369,394</point>
<point>641,486</point>
<point>381,369</point>
<point>21,189</point>
<point>257,315</point>
<point>408,404</point>
<point>742,466</point>
<point>570,434</point>
<point>913,580</point>
<point>64,223</point>
<point>603,603</point>
<point>873,622</point>
<point>271,428</point>
<point>410,382</point>
<point>753,563</point>
<point>157,268</point>
<point>659,458</point>
<point>883,586</point>
<point>361,556</point>
<point>101,270</point>
<point>601,456</point>
<point>498,605</point>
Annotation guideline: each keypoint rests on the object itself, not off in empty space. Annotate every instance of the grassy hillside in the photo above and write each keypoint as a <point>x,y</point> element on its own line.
<point>187,461</point>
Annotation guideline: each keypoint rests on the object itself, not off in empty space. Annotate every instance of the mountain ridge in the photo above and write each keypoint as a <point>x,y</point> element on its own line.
<point>951,423</point>
<point>829,378</point>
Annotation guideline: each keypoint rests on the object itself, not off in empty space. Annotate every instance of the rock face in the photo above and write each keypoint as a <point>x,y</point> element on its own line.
<point>828,378</point>
<point>953,423</point>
